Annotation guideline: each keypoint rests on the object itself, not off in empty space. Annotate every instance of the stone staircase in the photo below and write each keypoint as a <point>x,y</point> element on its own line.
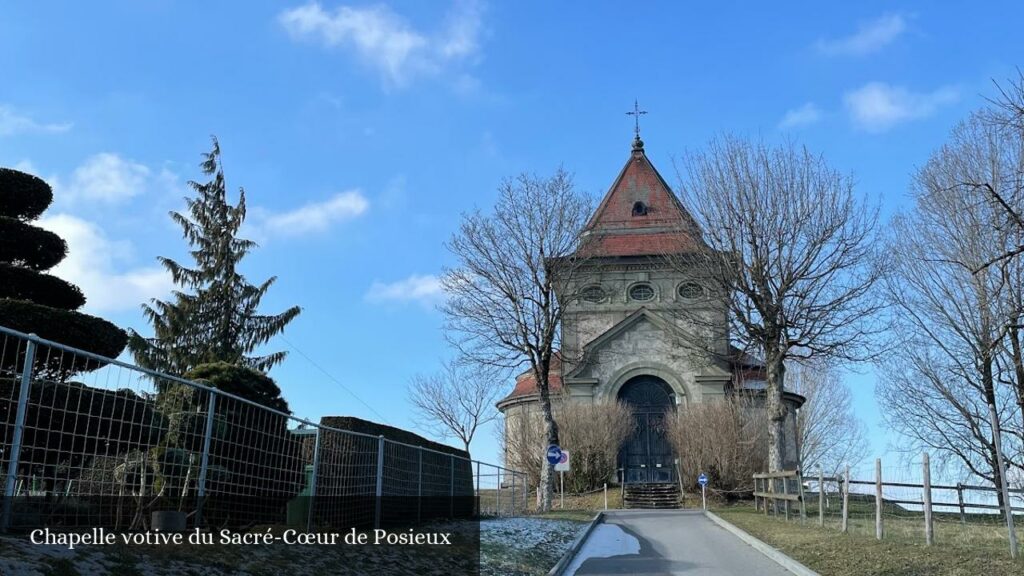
<point>651,496</point>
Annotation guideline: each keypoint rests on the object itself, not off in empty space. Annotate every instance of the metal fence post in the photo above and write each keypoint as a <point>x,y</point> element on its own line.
<point>479,507</point>
<point>929,536</point>
<point>513,497</point>
<point>19,431</point>
<point>204,460</point>
<point>878,498</point>
<point>497,498</point>
<point>451,486</point>
<point>313,479</point>
<point>380,481</point>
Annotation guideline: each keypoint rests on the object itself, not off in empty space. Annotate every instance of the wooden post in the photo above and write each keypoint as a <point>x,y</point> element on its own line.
<point>846,499</point>
<point>800,491</point>
<point>878,498</point>
<point>821,496</point>
<point>785,492</point>
<point>960,500</point>
<point>605,495</point>
<point>929,535</point>
<point>768,490</point>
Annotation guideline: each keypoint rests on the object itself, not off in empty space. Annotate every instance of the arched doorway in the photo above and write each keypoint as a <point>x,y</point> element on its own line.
<point>647,456</point>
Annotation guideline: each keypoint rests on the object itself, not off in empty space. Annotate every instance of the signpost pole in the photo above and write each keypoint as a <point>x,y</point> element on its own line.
<point>561,489</point>
<point>703,498</point>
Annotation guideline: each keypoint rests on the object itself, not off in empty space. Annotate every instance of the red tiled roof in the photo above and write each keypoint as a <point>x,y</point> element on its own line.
<point>665,227</point>
<point>526,384</point>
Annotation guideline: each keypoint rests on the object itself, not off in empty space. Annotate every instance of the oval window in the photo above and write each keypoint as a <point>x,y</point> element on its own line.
<point>641,292</point>
<point>690,291</point>
<point>592,294</point>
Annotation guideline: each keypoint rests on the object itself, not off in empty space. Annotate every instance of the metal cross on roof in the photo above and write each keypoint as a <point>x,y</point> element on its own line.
<point>636,113</point>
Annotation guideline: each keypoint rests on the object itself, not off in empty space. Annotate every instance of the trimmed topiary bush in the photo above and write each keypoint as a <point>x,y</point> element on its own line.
<point>35,302</point>
<point>240,381</point>
<point>23,196</point>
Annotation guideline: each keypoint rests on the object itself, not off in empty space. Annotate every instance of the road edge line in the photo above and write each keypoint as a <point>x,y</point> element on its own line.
<point>566,558</point>
<point>773,553</point>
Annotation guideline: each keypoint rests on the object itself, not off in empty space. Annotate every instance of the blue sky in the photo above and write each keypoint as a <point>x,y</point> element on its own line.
<point>361,131</point>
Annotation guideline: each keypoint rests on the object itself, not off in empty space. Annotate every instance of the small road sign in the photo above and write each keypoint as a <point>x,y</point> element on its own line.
<point>554,454</point>
<point>563,462</point>
<point>702,479</point>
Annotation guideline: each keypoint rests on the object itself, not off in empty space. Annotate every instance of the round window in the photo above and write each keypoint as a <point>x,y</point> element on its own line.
<point>641,292</point>
<point>592,294</point>
<point>690,291</point>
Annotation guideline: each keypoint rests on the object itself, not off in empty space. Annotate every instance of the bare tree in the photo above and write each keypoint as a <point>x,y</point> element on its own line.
<point>502,309</point>
<point>455,401</point>
<point>1006,115</point>
<point>829,434</point>
<point>726,440</point>
<point>595,431</point>
<point>942,388</point>
<point>790,252</point>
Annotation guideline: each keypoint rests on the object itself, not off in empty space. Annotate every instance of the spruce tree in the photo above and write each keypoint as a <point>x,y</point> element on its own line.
<point>214,317</point>
<point>33,301</point>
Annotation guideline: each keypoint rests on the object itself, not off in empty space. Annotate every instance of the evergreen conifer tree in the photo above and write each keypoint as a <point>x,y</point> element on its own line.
<point>214,317</point>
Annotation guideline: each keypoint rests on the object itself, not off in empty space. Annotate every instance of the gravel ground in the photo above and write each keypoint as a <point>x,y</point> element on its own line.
<point>509,546</point>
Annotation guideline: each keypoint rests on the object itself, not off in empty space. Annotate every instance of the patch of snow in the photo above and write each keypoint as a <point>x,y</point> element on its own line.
<point>605,541</point>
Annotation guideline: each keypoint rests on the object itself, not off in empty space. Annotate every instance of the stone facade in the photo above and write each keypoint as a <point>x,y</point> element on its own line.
<point>629,315</point>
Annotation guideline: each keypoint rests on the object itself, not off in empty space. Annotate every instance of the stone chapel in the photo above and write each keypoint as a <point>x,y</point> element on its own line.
<point>618,331</point>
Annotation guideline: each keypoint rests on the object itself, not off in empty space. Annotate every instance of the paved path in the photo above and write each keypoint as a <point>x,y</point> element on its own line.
<point>649,542</point>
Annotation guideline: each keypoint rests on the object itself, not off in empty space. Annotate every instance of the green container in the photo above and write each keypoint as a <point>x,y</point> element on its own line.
<point>298,507</point>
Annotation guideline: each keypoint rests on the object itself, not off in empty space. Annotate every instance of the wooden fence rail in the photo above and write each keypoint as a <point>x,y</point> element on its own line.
<point>773,494</point>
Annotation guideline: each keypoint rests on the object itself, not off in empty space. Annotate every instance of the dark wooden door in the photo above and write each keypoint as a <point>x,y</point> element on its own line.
<point>647,456</point>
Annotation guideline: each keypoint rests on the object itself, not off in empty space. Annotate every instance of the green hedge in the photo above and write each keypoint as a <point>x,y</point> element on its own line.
<point>23,196</point>
<point>30,246</point>
<point>24,284</point>
<point>73,329</point>
<point>240,381</point>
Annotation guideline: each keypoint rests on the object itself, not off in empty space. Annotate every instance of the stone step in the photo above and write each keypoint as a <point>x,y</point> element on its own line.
<point>651,496</point>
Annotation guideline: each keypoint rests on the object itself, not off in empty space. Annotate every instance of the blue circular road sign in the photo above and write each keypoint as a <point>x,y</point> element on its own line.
<point>702,479</point>
<point>554,454</point>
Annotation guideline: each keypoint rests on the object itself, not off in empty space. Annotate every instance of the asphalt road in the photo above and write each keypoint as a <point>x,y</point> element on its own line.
<point>668,542</point>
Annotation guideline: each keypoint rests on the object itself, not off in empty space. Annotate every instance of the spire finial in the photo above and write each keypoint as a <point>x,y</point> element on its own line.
<point>638,144</point>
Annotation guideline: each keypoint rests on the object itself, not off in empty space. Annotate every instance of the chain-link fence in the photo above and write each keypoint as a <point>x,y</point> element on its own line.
<point>904,503</point>
<point>89,441</point>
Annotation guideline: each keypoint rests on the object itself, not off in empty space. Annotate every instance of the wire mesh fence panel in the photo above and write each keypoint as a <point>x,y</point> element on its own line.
<point>87,441</point>
<point>346,480</point>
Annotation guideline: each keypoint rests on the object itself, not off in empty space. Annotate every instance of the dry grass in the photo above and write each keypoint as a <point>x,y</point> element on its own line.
<point>959,551</point>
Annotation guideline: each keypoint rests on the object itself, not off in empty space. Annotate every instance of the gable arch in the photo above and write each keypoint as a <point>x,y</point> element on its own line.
<point>645,368</point>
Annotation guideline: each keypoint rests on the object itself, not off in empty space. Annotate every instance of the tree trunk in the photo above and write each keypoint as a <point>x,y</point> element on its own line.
<point>988,384</point>
<point>775,409</point>
<point>547,475</point>
<point>1018,364</point>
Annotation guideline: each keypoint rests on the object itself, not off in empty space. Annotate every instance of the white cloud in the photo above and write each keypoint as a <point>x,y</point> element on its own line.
<point>106,178</point>
<point>385,41</point>
<point>12,122</point>
<point>870,37</point>
<point>877,106</point>
<point>315,216</point>
<point>803,116</point>
<point>426,290</point>
<point>94,263</point>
